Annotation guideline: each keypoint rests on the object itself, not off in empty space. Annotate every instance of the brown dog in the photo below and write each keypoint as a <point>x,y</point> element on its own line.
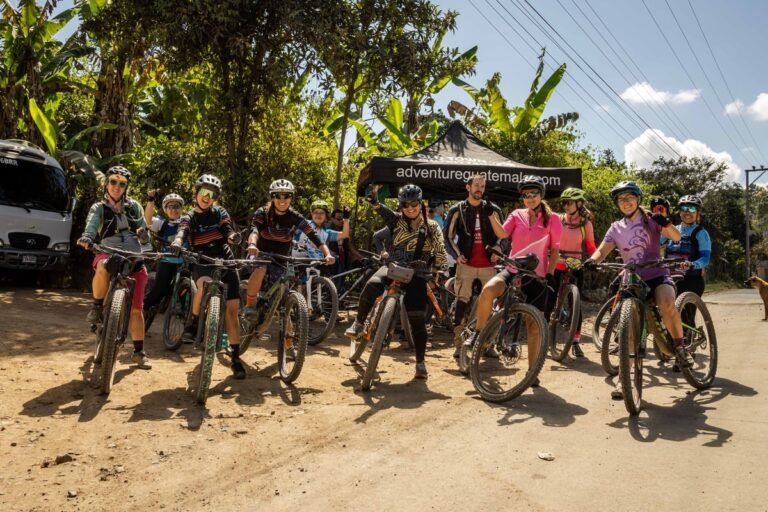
<point>762,286</point>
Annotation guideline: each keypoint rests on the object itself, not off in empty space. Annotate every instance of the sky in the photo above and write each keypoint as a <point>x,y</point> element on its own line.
<point>665,78</point>
<point>638,86</point>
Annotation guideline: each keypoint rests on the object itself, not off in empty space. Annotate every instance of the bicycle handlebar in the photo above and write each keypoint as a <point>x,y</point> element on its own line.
<point>104,249</point>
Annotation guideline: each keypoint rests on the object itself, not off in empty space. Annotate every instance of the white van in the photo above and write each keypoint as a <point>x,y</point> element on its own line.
<point>35,208</point>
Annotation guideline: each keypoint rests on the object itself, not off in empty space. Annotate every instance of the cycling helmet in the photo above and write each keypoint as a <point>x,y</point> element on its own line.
<point>624,187</point>
<point>172,198</point>
<point>532,181</point>
<point>573,194</point>
<point>320,204</point>
<point>692,199</point>
<point>208,180</point>
<point>118,169</point>
<point>408,193</point>
<point>282,186</point>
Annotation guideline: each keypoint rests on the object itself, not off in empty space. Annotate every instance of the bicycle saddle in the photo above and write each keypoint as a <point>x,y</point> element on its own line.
<point>528,262</point>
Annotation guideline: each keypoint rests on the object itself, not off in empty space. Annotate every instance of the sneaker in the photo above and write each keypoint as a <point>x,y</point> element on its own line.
<point>491,353</point>
<point>190,332</point>
<point>354,330</point>
<point>141,360</point>
<point>251,313</point>
<point>536,383</point>
<point>238,370</point>
<point>470,341</point>
<point>457,353</point>
<point>617,393</point>
<point>684,359</point>
<point>290,349</point>
<point>421,371</point>
<point>94,315</point>
<point>577,352</point>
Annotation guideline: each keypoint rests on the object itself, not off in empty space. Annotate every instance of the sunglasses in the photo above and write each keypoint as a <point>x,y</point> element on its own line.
<point>118,183</point>
<point>173,207</point>
<point>206,192</point>
<point>410,204</point>
<point>531,195</point>
<point>568,202</point>
<point>689,208</point>
<point>282,197</point>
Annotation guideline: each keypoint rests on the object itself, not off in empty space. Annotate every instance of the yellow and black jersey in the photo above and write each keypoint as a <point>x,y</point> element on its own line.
<point>405,238</point>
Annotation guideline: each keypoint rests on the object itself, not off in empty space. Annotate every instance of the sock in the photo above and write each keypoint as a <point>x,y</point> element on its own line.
<point>235,352</point>
<point>138,346</point>
<point>98,303</point>
<point>250,300</point>
<point>577,337</point>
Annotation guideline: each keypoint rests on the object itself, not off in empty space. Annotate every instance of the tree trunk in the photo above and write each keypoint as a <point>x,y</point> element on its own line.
<point>340,159</point>
<point>111,105</point>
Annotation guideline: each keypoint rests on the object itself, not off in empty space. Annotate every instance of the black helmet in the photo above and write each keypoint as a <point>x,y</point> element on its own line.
<point>408,193</point>
<point>532,181</point>
<point>624,187</point>
<point>120,170</point>
<point>692,199</point>
<point>208,180</point>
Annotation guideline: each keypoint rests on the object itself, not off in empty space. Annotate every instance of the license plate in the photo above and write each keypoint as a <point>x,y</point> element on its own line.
<point>29,258</point>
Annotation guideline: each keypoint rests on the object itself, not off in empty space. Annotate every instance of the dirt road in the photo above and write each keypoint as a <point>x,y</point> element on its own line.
<point>324,445</point>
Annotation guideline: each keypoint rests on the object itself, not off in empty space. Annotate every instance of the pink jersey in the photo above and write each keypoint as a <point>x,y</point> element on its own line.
<point>538,239</point>
<point>574,239</point>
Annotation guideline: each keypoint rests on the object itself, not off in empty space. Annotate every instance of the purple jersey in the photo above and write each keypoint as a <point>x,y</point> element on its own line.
<point>638,241</point>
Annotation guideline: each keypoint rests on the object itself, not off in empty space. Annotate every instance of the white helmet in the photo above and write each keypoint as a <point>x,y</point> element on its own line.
<point>208,180</point>
<point>282,186</point>
<point>171,198</point>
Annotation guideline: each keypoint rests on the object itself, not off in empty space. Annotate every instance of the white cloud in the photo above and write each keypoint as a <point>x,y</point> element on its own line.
<point>652,144</point>
<point>643,93</point>
<point>734,108</point>
<point>759,109</point>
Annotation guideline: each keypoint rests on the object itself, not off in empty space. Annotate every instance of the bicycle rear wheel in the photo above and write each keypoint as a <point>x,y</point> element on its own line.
<point>323,309</point>
<point>211,330</point>
<point>630,354</point>
<point>357,344</point>
<point>601,321</point>
<point>700,340</point>
<point>383,329</point>
<point>609,347</point>
<point>292,344</point>
<point>176,316</point>
<point>563,325</point>
<point>118,309</point>
<point>510,371</point>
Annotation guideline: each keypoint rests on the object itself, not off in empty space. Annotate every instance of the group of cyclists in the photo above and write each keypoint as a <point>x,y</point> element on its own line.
<point>473,231</point>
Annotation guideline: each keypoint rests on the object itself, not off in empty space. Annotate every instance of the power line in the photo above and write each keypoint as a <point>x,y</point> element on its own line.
<point>706,75</point>
<point>603,112</point>
<point>642,121</point>
<point>658,107</point>
<point>629,57</point>
<point>722,75</point>
<point>704,99</point>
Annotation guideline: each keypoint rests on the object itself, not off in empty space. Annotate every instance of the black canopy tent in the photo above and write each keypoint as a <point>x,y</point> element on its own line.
<point>441,170</point>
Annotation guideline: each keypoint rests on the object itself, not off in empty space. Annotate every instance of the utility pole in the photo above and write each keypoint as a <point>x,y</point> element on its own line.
<point>762,170</point>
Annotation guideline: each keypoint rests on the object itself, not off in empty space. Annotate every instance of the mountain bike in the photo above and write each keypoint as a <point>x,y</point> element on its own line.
<point>112,332</point>
<point>378,327</point>
<point>502,347</point>
<point>323,303</point>
<point>638,316</point>
<point>604,313</point>
<point>179,308</point>
<point>470,323</point>
<point>564,319</point>
<point>211,320</point>
<point>349,299</point>
<point>283,300</point>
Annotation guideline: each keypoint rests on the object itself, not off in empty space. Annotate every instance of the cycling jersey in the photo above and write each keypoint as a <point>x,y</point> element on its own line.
<point>114,228</point>
<point>638,241</point>
<point>207,231</point>
<point>165,230</point>
<point>524,235</point>
<point>276,231</point>
<point>307,248</point>
<point>694,245</point>
<point>576,241</point>
<point>405,239</point>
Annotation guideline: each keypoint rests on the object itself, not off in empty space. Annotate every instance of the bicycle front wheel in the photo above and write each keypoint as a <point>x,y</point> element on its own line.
<point>211,331</point>
<point>509,355</point>
<point>176,316</point>
<point>292,342</point>
<point>601,321</point>
<point>118,309</point>
<point>383,329</point>
<point>564,322</point>
<point>630,354</point>
<point>323,309</point>
<point>700,340</point>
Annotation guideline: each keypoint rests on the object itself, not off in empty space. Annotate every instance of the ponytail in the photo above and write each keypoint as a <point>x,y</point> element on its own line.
<point>546,211</point>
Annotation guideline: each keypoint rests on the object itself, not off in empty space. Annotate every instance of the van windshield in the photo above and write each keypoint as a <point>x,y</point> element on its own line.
<point>32,185</point>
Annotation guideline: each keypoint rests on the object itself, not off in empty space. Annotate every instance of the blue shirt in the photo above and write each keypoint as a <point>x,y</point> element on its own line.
<point>305,247</point>
<point>684,246</point>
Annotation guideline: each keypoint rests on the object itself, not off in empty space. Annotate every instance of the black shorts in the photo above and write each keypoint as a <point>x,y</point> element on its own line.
<point>535,290</point>
<point>656,282</point>
<point>229,278</point>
